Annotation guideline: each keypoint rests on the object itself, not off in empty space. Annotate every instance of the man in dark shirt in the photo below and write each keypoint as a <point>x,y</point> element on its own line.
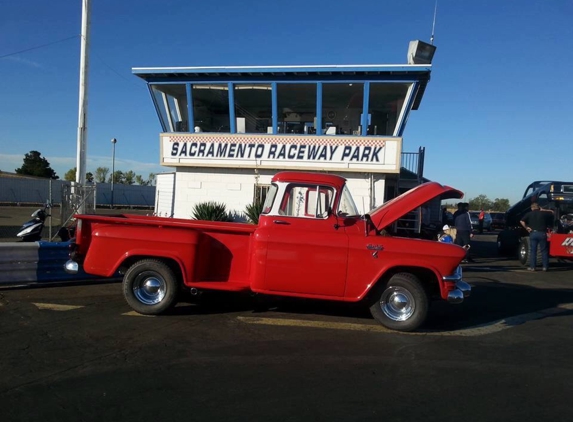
<point>537,222</point>
<point>459,210</point>
<point>463,224</point>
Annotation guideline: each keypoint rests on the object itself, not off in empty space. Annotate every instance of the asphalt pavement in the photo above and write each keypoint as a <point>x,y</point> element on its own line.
<point>78,353</point>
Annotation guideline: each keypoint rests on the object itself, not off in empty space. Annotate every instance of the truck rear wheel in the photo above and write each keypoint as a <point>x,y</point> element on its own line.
<point>150,287</point>
<point>525,252</point>
<point>401,304</point>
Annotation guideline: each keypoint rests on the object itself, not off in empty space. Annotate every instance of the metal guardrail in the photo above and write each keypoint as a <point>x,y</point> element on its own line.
<point>29,263</point>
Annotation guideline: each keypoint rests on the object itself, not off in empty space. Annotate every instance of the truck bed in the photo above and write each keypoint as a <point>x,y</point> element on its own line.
<point>218,253</point>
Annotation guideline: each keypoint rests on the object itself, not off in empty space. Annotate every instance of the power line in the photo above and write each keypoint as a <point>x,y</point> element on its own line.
<point>67,39</point>
<point>116,72</point>
<point>39,46</point>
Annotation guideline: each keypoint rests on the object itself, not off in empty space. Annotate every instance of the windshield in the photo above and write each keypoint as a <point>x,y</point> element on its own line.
<point>347,206</point>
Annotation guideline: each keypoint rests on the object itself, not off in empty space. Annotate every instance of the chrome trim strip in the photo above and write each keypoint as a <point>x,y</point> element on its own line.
<point>464,287</point>
<point>455,276</point>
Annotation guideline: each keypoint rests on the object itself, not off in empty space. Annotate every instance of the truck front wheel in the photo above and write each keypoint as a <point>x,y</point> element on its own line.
<point>150,287</point>
<point>401,304</point>
<point>524,251</point>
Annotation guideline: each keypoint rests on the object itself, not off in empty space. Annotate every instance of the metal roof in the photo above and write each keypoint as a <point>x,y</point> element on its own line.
<point>143,72</point>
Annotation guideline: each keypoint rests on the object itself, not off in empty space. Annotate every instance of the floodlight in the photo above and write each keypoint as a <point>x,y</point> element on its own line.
<point>420,52</point>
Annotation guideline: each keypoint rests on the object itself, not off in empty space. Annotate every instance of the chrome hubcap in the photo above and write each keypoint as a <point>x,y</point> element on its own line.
<point>523,253</point>
<point>397,303</point>
<point>149,290</point>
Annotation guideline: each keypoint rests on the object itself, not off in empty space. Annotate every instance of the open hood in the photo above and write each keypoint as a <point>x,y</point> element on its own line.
<point>392,210</point>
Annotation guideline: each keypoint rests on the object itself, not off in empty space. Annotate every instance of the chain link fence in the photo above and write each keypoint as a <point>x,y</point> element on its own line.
<point>77,199</point>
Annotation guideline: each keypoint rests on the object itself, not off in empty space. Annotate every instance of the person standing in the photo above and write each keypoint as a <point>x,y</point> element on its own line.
<point>463,224</point>
<point>444,215</point>
<point>537,222</point>
<point>458,211</point>
<point>481,216</point>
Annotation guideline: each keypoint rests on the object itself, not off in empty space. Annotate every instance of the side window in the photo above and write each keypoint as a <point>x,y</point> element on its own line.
<point>307,201</point>
<point>542,199</point>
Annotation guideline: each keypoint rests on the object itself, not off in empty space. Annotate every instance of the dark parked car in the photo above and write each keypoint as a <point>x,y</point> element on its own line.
<point>497,220</point>
<point>474,215</point>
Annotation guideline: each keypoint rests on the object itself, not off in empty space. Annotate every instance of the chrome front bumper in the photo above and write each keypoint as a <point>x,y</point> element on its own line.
<point>462,289</point>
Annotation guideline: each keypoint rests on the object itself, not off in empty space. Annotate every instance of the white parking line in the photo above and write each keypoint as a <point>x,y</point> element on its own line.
<point>504,324</point>
<point>314,324</point>
<point>133,313</point>
<point>56,307</point>
<point>479,330</point>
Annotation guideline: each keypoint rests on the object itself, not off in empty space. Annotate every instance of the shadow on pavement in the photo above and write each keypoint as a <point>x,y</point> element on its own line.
<point>489,302</point>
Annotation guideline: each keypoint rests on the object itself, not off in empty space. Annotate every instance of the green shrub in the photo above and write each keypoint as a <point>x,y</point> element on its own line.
<point>211,211</point>
<point>253,211</point>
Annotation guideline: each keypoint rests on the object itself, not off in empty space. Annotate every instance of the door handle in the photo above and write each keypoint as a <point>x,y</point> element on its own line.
<point>280,222</point>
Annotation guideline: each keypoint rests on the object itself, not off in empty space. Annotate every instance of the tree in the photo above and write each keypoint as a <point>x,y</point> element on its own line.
<point>140,181</point>
<point>500,204</point>
<point>481,202</point>
<point>101,174</point>
<point>70,175</point>
<point>36,165</point>
<point>151,179</point>
<point>118,177</point>
<point>129,177</point>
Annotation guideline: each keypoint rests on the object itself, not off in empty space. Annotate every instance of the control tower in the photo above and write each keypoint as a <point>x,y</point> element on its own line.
<point>228,129</point>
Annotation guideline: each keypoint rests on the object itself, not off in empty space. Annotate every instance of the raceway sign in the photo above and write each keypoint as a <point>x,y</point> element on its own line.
<point>373,154</point>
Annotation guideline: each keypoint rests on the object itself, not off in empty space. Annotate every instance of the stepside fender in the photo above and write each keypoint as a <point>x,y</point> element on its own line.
<point>112,245</point>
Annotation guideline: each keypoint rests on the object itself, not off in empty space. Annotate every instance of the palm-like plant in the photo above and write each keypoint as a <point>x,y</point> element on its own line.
<point>253,211</point>
<point>211,211</point>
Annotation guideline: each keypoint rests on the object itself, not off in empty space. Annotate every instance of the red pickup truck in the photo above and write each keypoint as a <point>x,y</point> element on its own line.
<point>310,242</point>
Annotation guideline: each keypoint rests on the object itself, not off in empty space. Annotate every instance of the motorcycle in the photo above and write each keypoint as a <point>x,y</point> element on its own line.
<point>31,230</point>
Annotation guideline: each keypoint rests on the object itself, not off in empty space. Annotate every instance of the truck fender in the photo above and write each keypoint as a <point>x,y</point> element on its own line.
<point>135,255</point>
<point>422,272</point>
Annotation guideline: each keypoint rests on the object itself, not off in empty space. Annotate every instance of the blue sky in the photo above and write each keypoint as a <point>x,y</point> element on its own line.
<point>494,117</point>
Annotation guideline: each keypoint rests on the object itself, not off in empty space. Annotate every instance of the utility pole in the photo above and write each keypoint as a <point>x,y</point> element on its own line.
<point>113,141</point>
<point>83,100</point>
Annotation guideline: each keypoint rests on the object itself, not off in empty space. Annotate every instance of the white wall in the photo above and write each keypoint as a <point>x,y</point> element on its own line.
<point>235,188</point>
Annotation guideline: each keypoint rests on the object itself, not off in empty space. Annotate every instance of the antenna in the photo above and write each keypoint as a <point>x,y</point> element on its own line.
<point>434,23</point>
